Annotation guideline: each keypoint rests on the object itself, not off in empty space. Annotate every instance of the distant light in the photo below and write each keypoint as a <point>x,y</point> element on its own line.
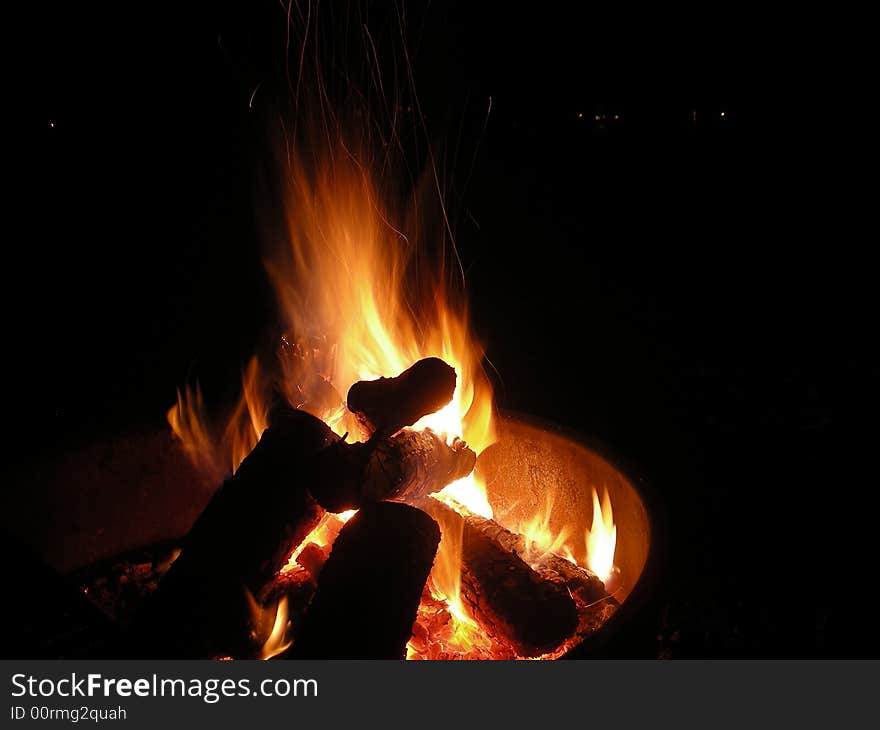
<point>580,115</point>
<point>51,124</point>
<point>722,114</point>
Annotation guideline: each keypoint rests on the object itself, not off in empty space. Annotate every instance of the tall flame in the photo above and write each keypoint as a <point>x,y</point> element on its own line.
<point>361,301</point>
<point>369,303</point>
<point>602,538</point>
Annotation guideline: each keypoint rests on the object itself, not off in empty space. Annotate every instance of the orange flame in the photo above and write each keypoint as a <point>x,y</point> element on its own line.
<point>350,281</point>
<point>540,538</point>
<point>220,455</point>
<point>271,626</point>
<point>600,539</point>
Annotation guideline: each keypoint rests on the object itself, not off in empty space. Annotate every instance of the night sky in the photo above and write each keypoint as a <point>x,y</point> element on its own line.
<point>661,283</point>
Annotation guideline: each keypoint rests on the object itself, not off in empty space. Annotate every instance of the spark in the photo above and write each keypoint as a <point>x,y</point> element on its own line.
<point>251,101</point>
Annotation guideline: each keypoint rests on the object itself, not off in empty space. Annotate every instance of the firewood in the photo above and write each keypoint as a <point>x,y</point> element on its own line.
<point>388,404</point>
<point>580,582</point>
<point>405,468</point>
<point>505,595</point>
<point>369,589</point>
<point>577,580</point>
<point>237,544</point>
<point>245,535</point>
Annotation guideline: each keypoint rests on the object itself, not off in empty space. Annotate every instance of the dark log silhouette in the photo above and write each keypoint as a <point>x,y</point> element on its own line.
<point>266,509</point>
<point>370,587</point>
<point>237,544</point>
<point>386,405</point>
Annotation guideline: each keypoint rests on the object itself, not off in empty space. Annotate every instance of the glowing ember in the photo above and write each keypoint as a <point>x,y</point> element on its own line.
<point>323,535</point>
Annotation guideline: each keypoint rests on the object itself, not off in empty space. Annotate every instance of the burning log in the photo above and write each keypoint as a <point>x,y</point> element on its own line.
<point>386,405</point>
<point>578,581</point>
<point>406,467</point>
<point>506,596</point>
<point>369,589</point>
<point>509,599</point>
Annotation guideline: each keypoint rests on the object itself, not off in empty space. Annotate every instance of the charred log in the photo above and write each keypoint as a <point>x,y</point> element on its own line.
<point>369,590</point>
<point>386,405</point>
<point>506,596</point>
<point>237,545</point>
<point>509,598</point>
<point>578,581</point>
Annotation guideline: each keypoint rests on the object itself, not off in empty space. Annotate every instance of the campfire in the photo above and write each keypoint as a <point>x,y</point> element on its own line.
<point>378,548</point>
<point>359,518</point>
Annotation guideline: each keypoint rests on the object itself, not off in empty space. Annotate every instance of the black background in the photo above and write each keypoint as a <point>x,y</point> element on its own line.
<point>672,288</point>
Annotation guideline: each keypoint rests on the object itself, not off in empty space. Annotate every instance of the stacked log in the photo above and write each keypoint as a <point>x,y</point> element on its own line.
<point>298,469</point>
<point>360,599</point>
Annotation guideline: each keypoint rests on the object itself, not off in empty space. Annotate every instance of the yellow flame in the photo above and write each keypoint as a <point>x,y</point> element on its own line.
<point>469,493</point>
<point>322,535</point>
<point>278,639</point>
<point>271,626</point>
<point>601,538</point>
<point>540,537</point>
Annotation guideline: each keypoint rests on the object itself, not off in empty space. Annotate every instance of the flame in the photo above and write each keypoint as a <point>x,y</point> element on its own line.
<point>601,538</point>
<point>189,421</point>
<point>271,626</point>
<point>278,639</point>
<point>220,455</point>
<point>359,304</point>
<point>364,303</point>
<point>540,538</point>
